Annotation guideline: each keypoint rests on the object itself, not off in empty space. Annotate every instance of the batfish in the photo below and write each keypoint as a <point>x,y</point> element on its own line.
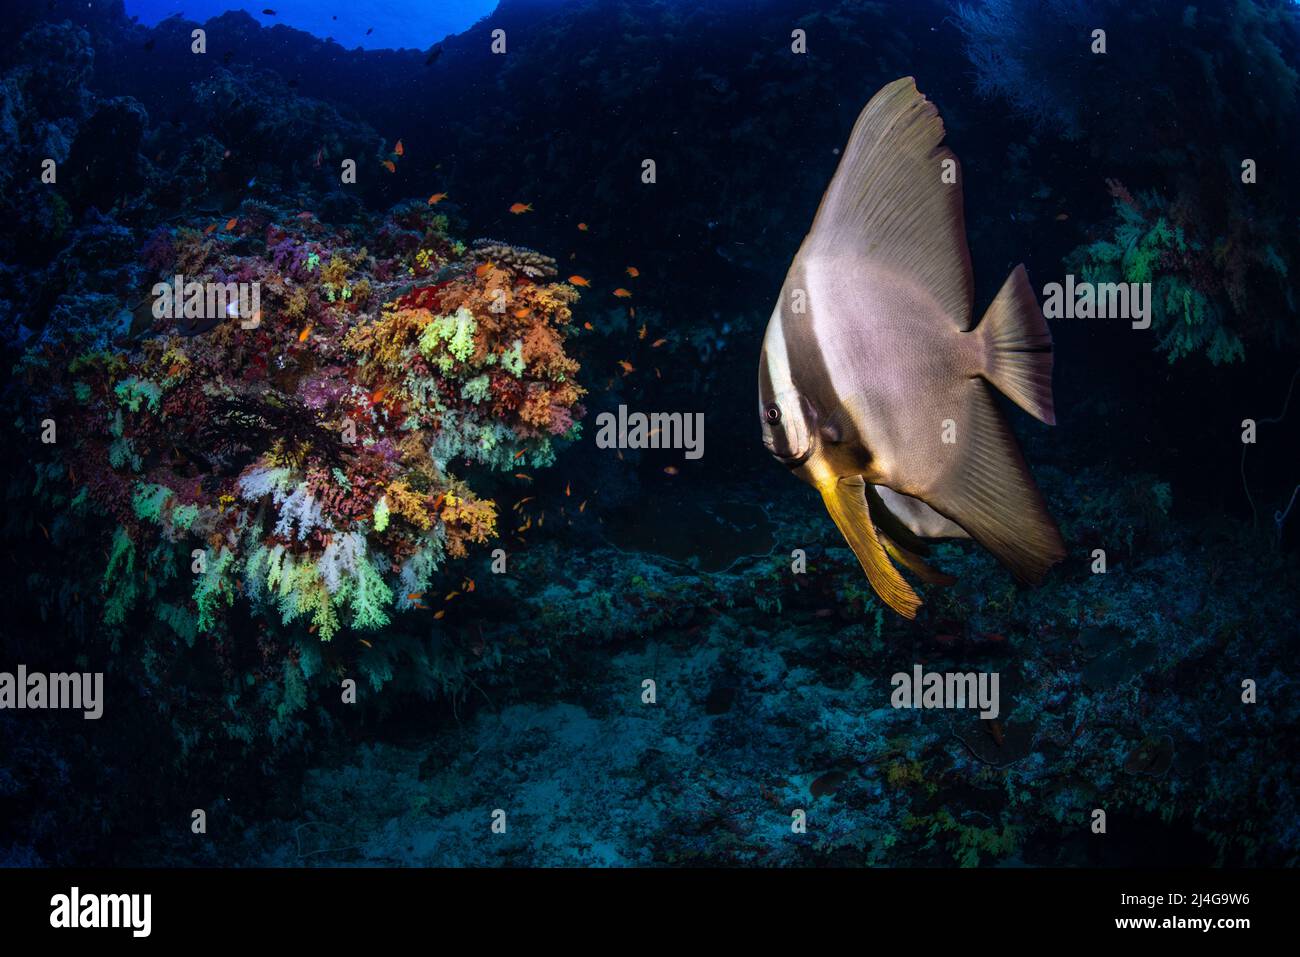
<point>874,382</point>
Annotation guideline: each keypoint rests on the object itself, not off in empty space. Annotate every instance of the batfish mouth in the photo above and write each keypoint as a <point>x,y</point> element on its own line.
<point>790,461</point>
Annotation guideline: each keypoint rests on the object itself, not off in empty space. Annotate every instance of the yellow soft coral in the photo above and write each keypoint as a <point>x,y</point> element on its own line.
<point>468,520</point>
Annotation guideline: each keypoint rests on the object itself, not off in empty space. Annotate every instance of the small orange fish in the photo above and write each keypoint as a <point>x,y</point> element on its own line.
<point>439,613</point>
<point>1062,217</point>
<point>482,270</point>
<point>579,281</point>
<point>518,208</point>
<point>230,224</point>
<point>398,149</point>
<point>626,366</point>
<point>588,326</point>
<point>469,584</point>
<point>302,336</point>
<point>582,226</point>
<point>45,530</point>
<point>437,198</point>
<point>210,230</point>
<point>657,343</point>
<point>378,395</point>
<point>521,313</point>
<point>437,502</point>
<point>312,629</point>
<point>521,475</point>
<point>451,595</point>
<point>415,596</point>
<point>521,453</point>
<point>641,333</point>
<point>670,470</point>
<point>526,498</point>
<point>366,643</point>
<point>657,373</point>
<point>567,490</point>
<point>622,293</point>
<point>583,506</point>
<point>633,271</point>
<point>390,166</point>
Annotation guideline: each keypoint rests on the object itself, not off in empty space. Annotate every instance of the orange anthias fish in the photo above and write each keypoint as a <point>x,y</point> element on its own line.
<point>378,395</point>
<point>521,313</point>
<point>657,343</point>
<point>210,230</point>
<point>398,149</point>
<point>626,366</point>
<point>482,270</point>
<point>579,281</point>
<point>521,475</point>
<point>567,490</point>
<point>633,271</point>
<point>437,198</point>
<point>231,224</point>
<point>390,166</point>
<point>641,333</point>
<point>622,293</point>
<point>670,470</point>
<point>588,326</point>
<point>518,208</point>
<point>302,336</point>
<point>582,226</point>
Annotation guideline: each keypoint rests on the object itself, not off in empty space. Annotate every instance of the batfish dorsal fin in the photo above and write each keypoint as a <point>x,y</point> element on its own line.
<point>889,204</point>
<point>989,492</point>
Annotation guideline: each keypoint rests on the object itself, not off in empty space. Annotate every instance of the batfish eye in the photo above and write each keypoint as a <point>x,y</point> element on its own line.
<point>773,414</point>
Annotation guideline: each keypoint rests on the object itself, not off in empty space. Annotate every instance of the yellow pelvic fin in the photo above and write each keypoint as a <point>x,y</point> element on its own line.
<point>847,503</point>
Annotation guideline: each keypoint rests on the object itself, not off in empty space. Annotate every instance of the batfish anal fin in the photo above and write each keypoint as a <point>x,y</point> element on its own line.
<point>890,203</point>
<point>847,505</point>
<point>1019,347</point>
<point>989,492</point>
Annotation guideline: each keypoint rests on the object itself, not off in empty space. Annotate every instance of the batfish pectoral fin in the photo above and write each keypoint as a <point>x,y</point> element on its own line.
<point>902,544</point>
<point>847,503</point>
<point>914,563</point>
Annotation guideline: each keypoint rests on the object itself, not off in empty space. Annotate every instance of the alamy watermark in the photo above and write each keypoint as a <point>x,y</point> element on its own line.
<point>78,691</point>
<point>75,909</point>
<point>1098,300</point>
<point>212,301</point>
<point>653,430</point>
<point>947,689</point>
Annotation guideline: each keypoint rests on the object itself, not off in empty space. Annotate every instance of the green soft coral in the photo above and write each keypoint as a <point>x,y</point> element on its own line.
<point>1147,248</point>
<point>213,588</point>
<point>456,332</point>
<point>131,392</point>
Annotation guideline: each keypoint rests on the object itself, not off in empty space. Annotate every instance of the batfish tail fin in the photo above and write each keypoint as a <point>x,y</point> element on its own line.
<point>1019,347</point>
<point>846,501</point>
<point>990,493</point>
